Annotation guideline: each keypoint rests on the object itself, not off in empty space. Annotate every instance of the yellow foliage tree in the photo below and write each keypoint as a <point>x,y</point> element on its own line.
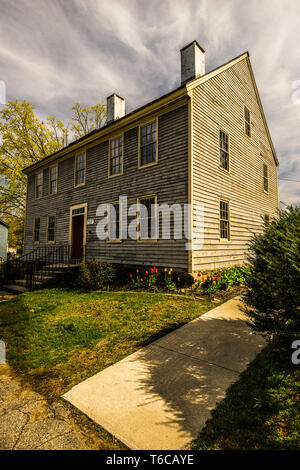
<point>24,140</point>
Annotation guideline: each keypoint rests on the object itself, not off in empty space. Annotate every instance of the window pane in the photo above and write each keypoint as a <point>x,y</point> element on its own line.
<point>224,155</point>
<point>39,185</point>
<point>147,218</point>
<point>265,177</point>
<point>224,220</point>
<point>51,228</point>
<point>53,179</point>
<point>116,150</point>
<point>36,235</point>
<point>148,144</point>
<point>114,221</point>
<point>80,168</point>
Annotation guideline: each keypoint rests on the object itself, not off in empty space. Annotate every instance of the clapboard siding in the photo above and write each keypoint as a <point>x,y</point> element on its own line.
<point>168,179</point>
<point>219,103</point>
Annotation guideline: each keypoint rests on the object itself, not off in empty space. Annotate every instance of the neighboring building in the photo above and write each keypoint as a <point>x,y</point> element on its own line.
<point>3,240</point>
<point>205,144</point>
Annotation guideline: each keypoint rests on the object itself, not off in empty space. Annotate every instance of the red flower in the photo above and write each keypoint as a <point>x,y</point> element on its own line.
<point>199,274</point>
<point>151,270</point>
<point>130,274</point>
<point>69,270</point>
<point>137,270</point>
<point>195,280</point>
<point>142,279</point>
<point>147,272</point>
<point>213,278</point>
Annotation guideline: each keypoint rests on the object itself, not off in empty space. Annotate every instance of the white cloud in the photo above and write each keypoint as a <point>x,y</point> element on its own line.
<point>54,53</point>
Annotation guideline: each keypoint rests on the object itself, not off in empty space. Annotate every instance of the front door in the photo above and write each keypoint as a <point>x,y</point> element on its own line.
<point>77,231</point>
<point>77,238</point>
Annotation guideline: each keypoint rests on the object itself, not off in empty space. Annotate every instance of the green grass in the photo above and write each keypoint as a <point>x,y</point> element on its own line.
<point>260,411</point>
<point>56,338</point>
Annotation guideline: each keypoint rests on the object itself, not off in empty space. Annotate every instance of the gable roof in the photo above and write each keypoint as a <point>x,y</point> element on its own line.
<point>168,98</point>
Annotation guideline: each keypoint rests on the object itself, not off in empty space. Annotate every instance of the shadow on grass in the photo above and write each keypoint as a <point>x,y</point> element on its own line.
<point>260,411</point>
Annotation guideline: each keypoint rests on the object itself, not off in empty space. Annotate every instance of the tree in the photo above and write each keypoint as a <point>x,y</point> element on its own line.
<point>273,295</point>
<point>25,140</point>
<point>85,119</point>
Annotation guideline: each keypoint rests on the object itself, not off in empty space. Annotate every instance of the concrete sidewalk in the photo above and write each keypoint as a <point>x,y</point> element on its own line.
<point>161,396</point>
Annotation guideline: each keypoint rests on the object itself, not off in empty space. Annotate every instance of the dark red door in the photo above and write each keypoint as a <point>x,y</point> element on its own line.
<point>77,236</point>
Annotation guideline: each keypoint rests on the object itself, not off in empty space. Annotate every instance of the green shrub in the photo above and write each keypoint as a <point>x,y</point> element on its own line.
<point>94,275</point>
<point>221,279</point>
<point>273,294</point>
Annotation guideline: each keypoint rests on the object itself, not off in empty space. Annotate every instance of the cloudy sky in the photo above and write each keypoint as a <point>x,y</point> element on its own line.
<point>55,52</point>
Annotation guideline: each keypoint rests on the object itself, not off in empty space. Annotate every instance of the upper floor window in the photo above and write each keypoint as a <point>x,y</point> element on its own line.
<point>80,169</point>
<point>51,228</point>
<point>224,220</point>
<point>53,179</point>
<point>116,156</point>
<point>148,144</point>
<point>39,185</point>
<point>36,229</point>
<point>266,177</point>
<point>224,150</point>
<point>114,230</point>
<point>247,122</point>
<point>147,209</point>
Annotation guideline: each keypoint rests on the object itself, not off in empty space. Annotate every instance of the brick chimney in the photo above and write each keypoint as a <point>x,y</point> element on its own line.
<point>192,62</point>
<point>115,108</point>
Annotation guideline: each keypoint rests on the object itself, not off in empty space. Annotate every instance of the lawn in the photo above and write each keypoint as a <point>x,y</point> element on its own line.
<point>260,411</point>
<point>56,338</point>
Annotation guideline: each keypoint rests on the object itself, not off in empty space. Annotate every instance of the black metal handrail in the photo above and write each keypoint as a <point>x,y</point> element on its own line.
<point>42,263</point>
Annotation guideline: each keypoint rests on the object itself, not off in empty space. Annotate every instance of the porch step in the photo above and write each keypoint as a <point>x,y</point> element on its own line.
<point>22,282</point>
<point>15,289</point>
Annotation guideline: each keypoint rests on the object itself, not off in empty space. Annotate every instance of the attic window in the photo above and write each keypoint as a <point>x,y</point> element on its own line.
<point>247,122</point>
<point>266,178</point>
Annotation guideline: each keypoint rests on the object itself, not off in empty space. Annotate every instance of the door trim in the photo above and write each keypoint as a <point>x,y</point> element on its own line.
<point>78,206</point>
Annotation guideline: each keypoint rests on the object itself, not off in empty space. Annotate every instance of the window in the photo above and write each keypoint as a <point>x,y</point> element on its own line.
<point>53,179</point>
<point>148,145</point>
<point>36,229</point>
<point>266,178</point>
<point>247,122</point>
<point>116,156</point>
<point>267,219</point>
<point>39,185</point>
<point>78,211</point>
<point>114,231</point>
<point>224,220</point>
<point>224,151</point>
<point>147,209</point>
<point>51,228</point>
<point>80,169</point>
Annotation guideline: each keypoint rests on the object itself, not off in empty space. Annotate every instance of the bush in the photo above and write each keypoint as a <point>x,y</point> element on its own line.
<point>94,275</point>
<point>273,292</point>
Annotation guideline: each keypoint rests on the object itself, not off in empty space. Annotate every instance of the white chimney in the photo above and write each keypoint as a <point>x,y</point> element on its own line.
<point>115,108</point>
<point>192,62</point>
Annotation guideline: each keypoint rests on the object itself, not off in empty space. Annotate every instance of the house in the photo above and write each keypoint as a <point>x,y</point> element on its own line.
<point>3,240</point>
<point>204,149</point>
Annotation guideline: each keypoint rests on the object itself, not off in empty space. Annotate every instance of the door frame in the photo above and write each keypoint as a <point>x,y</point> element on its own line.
<point>77,206</point>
